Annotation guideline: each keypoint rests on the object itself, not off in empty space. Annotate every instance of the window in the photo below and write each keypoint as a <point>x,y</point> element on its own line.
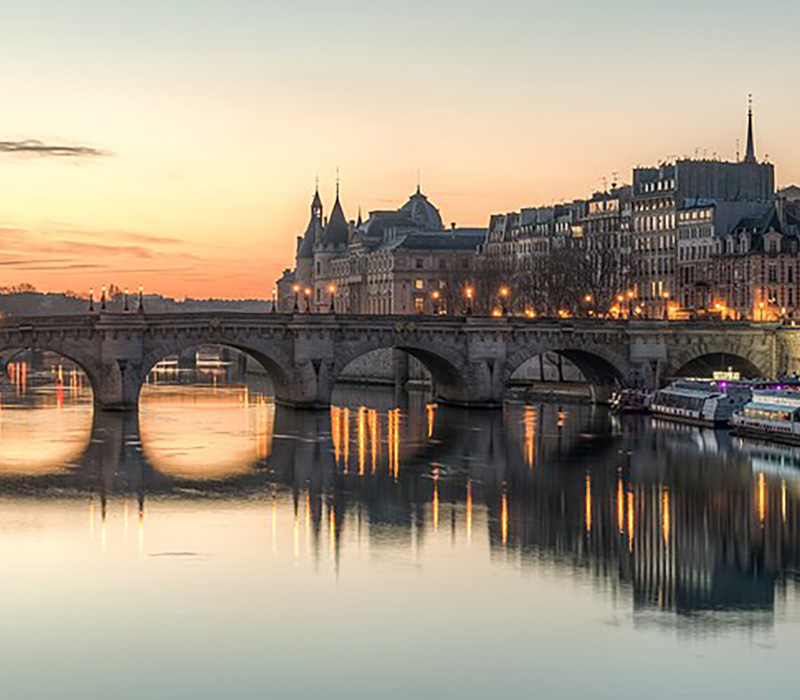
<point>419,284</point>
<point>419,304</point>
<point>772,275</point>
<point>419,263</point>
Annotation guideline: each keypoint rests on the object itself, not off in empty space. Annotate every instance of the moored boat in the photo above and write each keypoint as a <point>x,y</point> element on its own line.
<point>706,403</point>
<point>773,414</point>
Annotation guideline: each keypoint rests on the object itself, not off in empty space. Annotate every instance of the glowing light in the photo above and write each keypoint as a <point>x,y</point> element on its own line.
<point>762,498</point>
<point>620,506</point>
<point>665,516</point>
<point>431,414</point>
<point>497,313</point>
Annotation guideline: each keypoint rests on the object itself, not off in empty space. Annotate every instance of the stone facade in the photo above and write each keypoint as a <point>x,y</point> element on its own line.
<point>471,360</point>
<point>396,262</point>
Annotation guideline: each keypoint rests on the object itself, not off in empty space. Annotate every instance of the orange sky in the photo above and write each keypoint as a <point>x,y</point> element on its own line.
<point>214,136</point>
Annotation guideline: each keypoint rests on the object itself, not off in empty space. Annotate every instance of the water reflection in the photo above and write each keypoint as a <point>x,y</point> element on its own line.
<point>667,517</point>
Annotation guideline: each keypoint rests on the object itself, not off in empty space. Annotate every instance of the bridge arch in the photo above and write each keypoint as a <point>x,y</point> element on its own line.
<point>104,379</point>
<point>603,369</point>
<point>445,365</point>
<point>270,358</point>
<point>704,363</point>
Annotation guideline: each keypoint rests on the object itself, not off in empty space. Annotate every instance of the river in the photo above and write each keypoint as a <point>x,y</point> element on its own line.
<point>215,546</point>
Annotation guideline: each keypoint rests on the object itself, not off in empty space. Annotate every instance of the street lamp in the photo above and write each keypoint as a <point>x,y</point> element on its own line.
<point>630,303</point>
<point>666,305</point>
<point>589,299</point>
<point>103,298</point>
<point>274,300</point>
<point>469,292</point>
<point>296,290</point>
<point>125,307</point>
<point>504,294</point>
<point>141,299</point>
<point>332,291</point>
<point>307,292</point>
<point>761,307</point>
<point>91,301</point>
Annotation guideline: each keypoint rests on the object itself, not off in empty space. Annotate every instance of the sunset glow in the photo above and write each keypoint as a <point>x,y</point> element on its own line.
<point>192,163</point>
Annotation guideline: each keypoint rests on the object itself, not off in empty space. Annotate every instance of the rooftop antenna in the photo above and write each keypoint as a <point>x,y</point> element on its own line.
<point>337,182</point>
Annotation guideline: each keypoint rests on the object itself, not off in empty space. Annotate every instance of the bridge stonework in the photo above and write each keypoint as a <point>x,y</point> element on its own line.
<point>471,359</point>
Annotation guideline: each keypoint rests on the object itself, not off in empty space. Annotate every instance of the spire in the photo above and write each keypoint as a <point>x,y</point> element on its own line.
<point>316,202</point>
<point>750,152</point>
<point>359,222</point>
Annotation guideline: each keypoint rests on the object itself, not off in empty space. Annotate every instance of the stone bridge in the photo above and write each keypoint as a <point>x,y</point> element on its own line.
<point>471,359</point>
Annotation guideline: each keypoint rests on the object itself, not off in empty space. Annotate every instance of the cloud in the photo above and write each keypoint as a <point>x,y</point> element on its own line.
<point>35,147</point>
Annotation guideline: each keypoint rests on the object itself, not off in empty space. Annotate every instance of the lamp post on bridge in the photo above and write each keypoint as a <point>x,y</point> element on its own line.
<point>141,299</point>
<point>91,300</point>
<point>469,292</point>
<point>125,306</point>
<point>505,292</point>
<point>436,297</point>
<point>307,293</point>
<point>296,290</point>
<point>332,291</point>
<point>103,298</point>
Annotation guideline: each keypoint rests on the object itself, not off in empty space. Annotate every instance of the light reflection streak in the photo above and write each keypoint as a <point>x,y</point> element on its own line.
<point>588,504</point>
<point>665,516</point>
<point>631,513</point>
<point>362,440</point>
<point>620,505</point>
<point>336,420</point>
<point>529,422</point>
<point>783,500</point>
<point>373,435</point>
<point>504,518</point>
<point>762,498</point>
<point>346,438</point>
<point>435,504</point>
<point>469,510</point>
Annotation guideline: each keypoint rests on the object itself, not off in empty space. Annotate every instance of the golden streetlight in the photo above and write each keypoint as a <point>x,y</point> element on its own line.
<point>436,295</point>
<point>296,290</point>
<point>307,292</point>
<point>469,292</point>
<point>504,294</point>
<point>332,292</point>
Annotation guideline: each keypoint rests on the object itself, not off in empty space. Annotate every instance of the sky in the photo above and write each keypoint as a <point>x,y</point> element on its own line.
<point>191,133</point>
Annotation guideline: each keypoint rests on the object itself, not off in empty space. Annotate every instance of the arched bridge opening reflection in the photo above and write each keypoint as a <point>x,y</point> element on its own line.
<point>45,413</point>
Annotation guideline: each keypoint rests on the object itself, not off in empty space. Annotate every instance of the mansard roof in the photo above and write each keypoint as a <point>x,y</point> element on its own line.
<point>424,214</point>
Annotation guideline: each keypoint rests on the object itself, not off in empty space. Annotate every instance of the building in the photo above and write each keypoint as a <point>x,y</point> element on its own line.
<point>754,272</point>
<point>659,193</point>
<point>401,261</point>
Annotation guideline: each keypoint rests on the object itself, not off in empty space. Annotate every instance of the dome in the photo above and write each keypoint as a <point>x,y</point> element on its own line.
<point>424,214</point>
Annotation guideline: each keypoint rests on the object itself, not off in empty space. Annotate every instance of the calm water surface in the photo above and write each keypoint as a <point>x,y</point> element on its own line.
<point>215,546</point>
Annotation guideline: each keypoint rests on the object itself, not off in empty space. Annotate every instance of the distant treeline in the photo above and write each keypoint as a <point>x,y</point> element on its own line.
<point>23,300</point>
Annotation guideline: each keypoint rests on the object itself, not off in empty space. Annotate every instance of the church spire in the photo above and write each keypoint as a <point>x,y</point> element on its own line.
<point>750,152</point>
